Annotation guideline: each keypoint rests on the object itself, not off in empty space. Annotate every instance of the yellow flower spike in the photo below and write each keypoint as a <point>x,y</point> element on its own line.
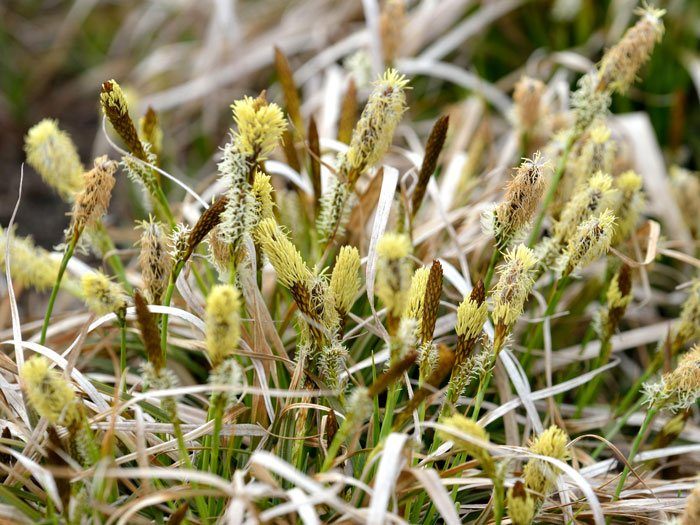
<point>260,126</point>
<point>521,506</point>
<point>591,240</point>
<point>30,265</point>
<point>393,272</point>
<point>262,192</point>
<point>679,389</point>
<point>375,129</point>
<point>620,64</point>
<point>282,254</point>
<point>52,153</point>
<point>471,314</point>
<point>513,288</point>
<point>116,108</point>
<point>464,425</point>
<point>222,320</point>
<point>103,296</point>
<point>540,476</point>
<point>394,246</point>
<point>48,391</point>
<point>416,294</point>
<point>345,280</point>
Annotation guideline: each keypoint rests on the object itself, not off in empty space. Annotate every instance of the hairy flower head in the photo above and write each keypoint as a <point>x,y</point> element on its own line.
<point>92,202</point>
<point>591,239</point>
<point>375,129</point>
<point>345,279</point>
<point>465,426</point>
<point>540,476</point>
<point>282,254</point>
<point>154,259</point>
<point>394,246</point>
<point>527,102</point>
<point>628,204</point>
<point>102,295</point>
<point>514,285</point>
<point>511,216</point>
<point>260,126</point>
<point>262,194</point>
<point>238,217</point>
<point>521,506</point>
<point>471,316</point>
<point>30,265</point>
<point>222,320</point>
<point>48,391</point>
<point>393,271</point>
<point>679,389</point>
<point>53,155</point>
<point>116,109</point>
<point>620,64</point>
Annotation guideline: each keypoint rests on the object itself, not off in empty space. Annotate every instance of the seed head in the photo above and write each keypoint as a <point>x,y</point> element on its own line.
<point>375,129</point>
<point>150,334</point>
<point>391,25</point>
<point>540,476</point>
<point>260,126</point>
<point>116,109</point>
<point>154,259</point>
<point>688,326</point>
<point>92,202</point>
<point>620,64</point>
<point>283,255</point>
<point>521,506</point>
<point>228,373</point>
<point>262,193</point>
<point>514,285</point>
<point>527,101</point>
<point>222,322</point>
<point>30,265</point>
<point>336,204</point>
<point>679,389</point>
<point>431,302</point>
<point>210,219</point>
<point>150,131</point>
<point>331,364</point>
<point>463,425</point>
<point>103,296</point>
<point>471,316</point>
<point>509,218</point>
<point>589,103</point>
<point>48,391</point>
<point>179,242</point>
<point>238,217</point>
<point>345,279</point>
<point>591,240</point>
<point>53,155</point>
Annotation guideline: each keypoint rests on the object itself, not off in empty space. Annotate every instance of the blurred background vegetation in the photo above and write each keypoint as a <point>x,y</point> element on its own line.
<point>190,58</point>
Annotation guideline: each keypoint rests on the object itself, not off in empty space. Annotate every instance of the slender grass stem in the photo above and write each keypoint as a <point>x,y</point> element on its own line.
<point>166,302</point>
<point>67,254</point>
<point>636,444</point>
<point>495,256</point>
<point>122,346</point>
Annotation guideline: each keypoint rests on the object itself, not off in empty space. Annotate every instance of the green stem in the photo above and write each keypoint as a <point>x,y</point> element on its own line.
<point>334,447</point>
<point>122,347</point>
<point>481,392</point>
<point>495,256</point>
<point>620,422</point>
<point>633,451</point>
<point>166,302</point>
<point>67,254</point>
<point>552,302</point>
<point>590,390</point>
<point>561,166</point>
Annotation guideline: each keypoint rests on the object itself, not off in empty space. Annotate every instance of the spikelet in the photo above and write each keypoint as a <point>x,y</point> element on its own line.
<point>209,220</point>
<point>508,219</point>
<point>141,174</point>
<point>691,514</point>
<point>588,103</point>
<point>540,476</point>
<point>29,264</point>
<point>463,425</point>
<point>596,155</point>
<point>527,103</point>
<point>220,253</point>
<point>591,240</point>
<point>238,217</point>
<point>336,204</point>
<point>688,326</point>
<point>436,141</point>
<point>222,320</point>
<point>393,271</point>
<point>331,364</point>
<point>628,205</point>
<point>116,109</point>
<point>620,64</point>
<point>282,254</point>
<point>154,259</point>
<point>48,391</point>
<point>431,302</point>
<point>150,334</point>
<point>679,389</point>
<point>512,290</point>
<point>521,506</point>
<point>92,202</point>
<point>375,129</point>
<point>151,132</point>
<point>262,195</point>
<point>179,242</point>
<point>590,198</point>
<point>227,373</point>
<point>260,126</point>
<point>471,316</point>
<point>51,152</point>
<point>415,303</point>
<point>103,296</point>
<point>618,297</point>
<point>391,24</point>
<point>345,280</point>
